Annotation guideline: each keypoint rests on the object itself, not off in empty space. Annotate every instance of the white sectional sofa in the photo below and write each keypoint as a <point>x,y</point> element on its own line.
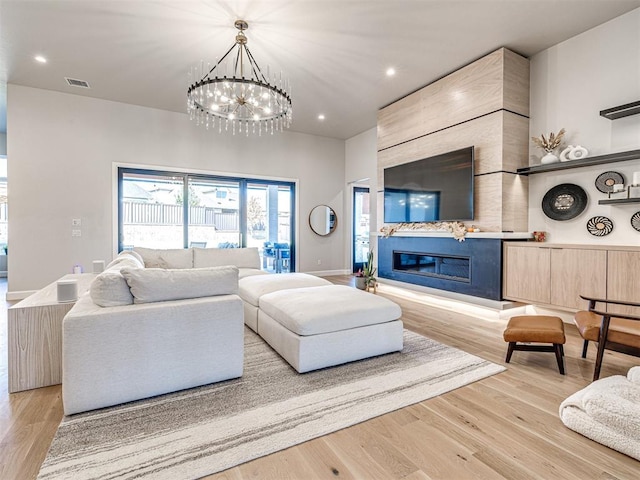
<point>143,330</point>
<point>158,321</point>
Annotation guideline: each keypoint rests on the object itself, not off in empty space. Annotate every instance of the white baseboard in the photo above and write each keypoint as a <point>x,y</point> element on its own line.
<point>328,273</point>
<point>19,295</point>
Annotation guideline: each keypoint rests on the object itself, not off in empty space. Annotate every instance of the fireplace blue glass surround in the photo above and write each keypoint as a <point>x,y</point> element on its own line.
<point>472,267</point>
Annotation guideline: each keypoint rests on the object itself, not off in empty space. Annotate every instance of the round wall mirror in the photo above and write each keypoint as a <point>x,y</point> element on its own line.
<point>323,220</point>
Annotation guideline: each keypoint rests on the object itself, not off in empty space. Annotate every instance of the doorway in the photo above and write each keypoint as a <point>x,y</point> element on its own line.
<point>360,229</point>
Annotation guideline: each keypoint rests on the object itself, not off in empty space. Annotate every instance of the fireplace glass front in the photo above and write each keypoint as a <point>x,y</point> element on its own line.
<point>441,266</point>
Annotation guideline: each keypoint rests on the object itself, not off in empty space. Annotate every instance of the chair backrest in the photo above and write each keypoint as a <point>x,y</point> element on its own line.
<point>198,244</point>
<point>268,249</point>
<point>617,332</point>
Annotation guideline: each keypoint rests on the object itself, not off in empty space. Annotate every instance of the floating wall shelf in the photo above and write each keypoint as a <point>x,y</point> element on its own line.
<point>621,111</point>
<point>599,160</point>
<point>614,201</point>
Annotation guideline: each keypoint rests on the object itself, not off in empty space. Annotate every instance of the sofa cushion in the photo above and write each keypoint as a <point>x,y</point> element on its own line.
<point>216,257</point>
<point>126,259</point>
<point>133,254</point>
<point>110,289</point>
<point>167,258</point>
<point>332,308</point>
<point>250,272</point>
<point>158,285</point>
<point>252,288</point>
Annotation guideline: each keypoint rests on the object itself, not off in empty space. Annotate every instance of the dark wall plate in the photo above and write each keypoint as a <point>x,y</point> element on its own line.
<point>607,180</point>
<point>564,202</point>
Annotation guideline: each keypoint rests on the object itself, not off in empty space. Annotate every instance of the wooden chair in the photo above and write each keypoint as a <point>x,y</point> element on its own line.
<point>611,331</point>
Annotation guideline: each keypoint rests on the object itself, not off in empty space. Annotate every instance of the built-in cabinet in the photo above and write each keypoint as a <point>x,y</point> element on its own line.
<point>556,275</point>
<point>623,278</point>
<point>527,273</point>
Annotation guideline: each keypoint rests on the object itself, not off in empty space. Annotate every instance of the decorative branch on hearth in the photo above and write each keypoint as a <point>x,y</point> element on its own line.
<point>457,229</point>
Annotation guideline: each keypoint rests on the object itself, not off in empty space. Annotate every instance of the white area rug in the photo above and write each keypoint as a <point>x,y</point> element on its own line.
<point>196,432</point>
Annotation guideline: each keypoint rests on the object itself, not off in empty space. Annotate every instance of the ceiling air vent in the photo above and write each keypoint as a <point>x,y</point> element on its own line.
<point>77,83</point>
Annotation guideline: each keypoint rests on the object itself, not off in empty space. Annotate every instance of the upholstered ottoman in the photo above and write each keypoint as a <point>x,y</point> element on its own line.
<point>317,327</point>
<point>536,329</point>
<point>252,288</point>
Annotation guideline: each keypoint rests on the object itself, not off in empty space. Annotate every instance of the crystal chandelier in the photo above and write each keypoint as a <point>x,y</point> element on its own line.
<point>235,94</point>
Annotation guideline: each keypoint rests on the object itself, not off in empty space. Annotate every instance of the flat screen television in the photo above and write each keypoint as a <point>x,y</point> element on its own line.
<point>433,189</point>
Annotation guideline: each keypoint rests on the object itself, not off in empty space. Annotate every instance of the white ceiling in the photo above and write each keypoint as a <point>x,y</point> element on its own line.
<point>335,52</point>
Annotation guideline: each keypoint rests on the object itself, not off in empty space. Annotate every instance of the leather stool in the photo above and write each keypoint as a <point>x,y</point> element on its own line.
<point>536,329</point>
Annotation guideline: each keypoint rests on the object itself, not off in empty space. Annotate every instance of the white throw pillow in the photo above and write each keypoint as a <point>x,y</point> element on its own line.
<point>110,289</point>
<point>125,260</point>
<point>169,258</point>
<point>216,257</point>
<point>133,254</point>
<point>159,285</point>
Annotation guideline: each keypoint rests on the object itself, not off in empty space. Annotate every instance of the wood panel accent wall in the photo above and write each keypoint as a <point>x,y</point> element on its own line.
<point>484,104</point>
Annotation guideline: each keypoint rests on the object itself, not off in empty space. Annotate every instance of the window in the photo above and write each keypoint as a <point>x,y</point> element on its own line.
<point>178,210</point>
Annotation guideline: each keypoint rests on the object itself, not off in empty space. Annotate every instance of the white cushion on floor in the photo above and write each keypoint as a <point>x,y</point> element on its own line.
<point>329,308</point>
<point>254,287</point>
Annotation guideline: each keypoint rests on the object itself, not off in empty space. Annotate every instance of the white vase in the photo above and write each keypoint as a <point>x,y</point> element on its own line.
<point>549,158</point>
<point>564,155</point>
<point>578,152</point>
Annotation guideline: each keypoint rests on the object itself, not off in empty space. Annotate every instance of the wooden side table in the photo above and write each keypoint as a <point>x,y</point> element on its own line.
<point>35,336</point>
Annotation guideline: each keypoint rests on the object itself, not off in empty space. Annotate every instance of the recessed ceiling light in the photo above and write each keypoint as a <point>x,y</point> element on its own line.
<point>40,58</point>
<point>391,72</point>
<point>321,117</point>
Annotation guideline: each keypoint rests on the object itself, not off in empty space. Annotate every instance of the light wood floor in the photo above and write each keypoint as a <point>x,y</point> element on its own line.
<point>505,426</point>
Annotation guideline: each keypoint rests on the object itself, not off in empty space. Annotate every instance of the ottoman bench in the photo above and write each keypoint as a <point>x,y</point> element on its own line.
<point>317,327</point>
<point>252,288</point>
<point>536,329</point>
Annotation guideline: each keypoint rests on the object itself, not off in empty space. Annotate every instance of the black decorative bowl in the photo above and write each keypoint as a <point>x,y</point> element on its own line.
<point>564,202</point>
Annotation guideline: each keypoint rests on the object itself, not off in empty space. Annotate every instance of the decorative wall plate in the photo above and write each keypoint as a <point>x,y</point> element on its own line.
<point>564,202</point>
<point>599,226</point>
<point>635,221</point>
<point>607,180</point>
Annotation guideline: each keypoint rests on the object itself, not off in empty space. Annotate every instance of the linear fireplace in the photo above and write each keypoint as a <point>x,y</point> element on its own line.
<point>472,267</point>
<point>433,265</point>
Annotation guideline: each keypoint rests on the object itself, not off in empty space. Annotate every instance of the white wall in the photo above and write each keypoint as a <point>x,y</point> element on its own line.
<point>61,153</point>
<point>3,143</point>
<point>361,160</point>
<point>570,83</point>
